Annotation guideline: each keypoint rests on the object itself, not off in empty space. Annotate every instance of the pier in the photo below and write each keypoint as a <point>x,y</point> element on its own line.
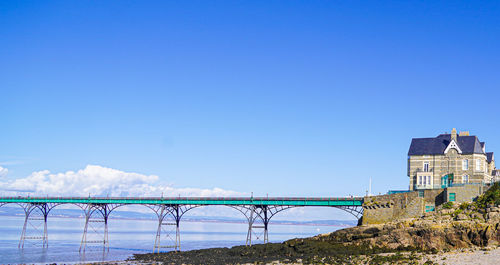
<point>169,211</point>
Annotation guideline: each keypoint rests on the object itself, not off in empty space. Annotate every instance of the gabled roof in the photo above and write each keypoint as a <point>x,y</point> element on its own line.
<point>489,157</point>
<point>437,145</point>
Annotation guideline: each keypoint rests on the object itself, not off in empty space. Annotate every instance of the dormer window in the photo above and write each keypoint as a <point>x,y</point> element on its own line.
<point>465,164</point>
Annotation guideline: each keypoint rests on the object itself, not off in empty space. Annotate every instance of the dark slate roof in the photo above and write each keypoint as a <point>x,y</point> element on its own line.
<point>489,157</point>
<point>495,173</point>
<point>482,144</point>
<point>437,145</point>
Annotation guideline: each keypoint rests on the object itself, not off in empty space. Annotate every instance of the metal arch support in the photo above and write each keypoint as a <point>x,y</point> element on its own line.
<point>103,211</point>
<point>262,212</point>
<point>30,221</point>
<point>356,211</point>
<point>176,212</point>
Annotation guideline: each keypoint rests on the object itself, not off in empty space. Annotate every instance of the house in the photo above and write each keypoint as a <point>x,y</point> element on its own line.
<point>448,160</point>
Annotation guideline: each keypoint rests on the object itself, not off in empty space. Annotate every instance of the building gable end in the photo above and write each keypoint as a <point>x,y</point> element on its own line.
<point>453,145</point>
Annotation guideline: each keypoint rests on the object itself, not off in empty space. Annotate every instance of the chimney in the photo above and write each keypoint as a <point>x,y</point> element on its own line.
<point>464,133</point>
<point>454,134</point>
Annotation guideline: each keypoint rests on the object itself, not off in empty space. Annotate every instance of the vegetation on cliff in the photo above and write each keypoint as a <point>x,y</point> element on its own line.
<point>490,197</point>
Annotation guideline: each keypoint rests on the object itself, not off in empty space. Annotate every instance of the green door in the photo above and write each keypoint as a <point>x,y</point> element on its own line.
<point>444,181</point>
<point>447,181</point>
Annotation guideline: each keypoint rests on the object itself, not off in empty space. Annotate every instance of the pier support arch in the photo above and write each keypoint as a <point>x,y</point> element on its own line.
<point>35,223</point>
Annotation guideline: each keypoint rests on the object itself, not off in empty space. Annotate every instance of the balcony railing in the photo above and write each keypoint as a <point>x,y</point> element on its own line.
<point>439,186</point>
<point>418,170</point>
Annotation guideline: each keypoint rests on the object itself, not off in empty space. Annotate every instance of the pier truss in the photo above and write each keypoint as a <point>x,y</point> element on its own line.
<point>169,211</point>
<point>258,217</point>
<point>35,223</point>
<point>169,218</point>
<point>95,231</point>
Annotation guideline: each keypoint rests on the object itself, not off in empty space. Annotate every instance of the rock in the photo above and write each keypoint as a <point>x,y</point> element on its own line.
<point>493,215</point>
<point>447,211</point>
<point>461,217</point>
<point>494,209</point>
<point>477,216</point>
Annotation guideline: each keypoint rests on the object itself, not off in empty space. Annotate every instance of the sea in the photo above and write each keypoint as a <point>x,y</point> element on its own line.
<point>128,237</point>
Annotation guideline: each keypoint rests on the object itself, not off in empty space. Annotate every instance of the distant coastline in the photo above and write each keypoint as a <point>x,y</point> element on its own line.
<point>127,215</point>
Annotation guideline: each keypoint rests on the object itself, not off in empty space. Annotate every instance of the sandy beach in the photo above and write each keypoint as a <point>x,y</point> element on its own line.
<point>467,257</point>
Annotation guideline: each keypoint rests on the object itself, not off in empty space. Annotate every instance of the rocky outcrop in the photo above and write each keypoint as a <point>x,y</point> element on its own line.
<point>445,229</point>
<point>451,227</point>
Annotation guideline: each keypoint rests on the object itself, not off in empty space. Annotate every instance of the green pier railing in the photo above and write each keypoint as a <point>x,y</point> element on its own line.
<point>281,201</point>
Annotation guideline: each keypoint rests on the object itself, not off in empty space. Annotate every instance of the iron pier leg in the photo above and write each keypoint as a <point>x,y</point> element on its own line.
<point>161,216</point>
<point>266,222</point>
<point>262,213</point>
<point>251,219</point>
<point>83,243</point>
<point>164,211</point>
<point>106,238</point>
<point>177,230</point>
<point>45,231</point>
<point>173,211</point>
<point>29,209</point>
<point>103,211</point>
<point>27,212</point>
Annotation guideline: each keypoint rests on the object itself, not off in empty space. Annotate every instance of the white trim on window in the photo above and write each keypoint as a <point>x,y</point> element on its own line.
<point>465,179</point>
<point>426,166</point>
<point>478,164</point>
<point>465,164</point>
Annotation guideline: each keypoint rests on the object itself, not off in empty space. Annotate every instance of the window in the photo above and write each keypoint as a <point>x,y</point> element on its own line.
<point>465,179</point>
<point>478,164</point>
<point>428,180</point>
<point>419,180</point>
<point>426,166</point>
<point>465,164</point>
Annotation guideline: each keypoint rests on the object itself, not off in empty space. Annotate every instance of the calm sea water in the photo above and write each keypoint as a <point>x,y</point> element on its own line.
<point>128,237</point>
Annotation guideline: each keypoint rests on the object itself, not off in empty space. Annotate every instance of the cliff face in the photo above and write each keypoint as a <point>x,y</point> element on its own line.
<point>459,227</point>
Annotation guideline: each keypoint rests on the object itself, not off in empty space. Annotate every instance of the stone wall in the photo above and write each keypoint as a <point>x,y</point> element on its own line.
<point>385,208</point>
<point>466,193</point>
<point>434,197</point>
<point>393,207</point>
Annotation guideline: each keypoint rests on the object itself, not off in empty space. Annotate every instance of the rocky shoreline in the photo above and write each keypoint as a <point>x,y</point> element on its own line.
<point>438,236</point>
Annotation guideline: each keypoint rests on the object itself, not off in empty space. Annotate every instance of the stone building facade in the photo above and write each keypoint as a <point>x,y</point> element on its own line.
<point>449,159</point>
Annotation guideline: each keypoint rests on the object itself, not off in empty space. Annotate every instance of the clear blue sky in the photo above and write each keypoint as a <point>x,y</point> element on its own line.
<point>281,97</point>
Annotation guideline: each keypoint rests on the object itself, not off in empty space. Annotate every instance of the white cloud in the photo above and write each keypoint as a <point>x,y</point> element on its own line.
<point>3,171</point>
<point>101,181</point>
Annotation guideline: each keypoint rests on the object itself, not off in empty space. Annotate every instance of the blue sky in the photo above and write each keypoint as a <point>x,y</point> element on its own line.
<point>286,98</point>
